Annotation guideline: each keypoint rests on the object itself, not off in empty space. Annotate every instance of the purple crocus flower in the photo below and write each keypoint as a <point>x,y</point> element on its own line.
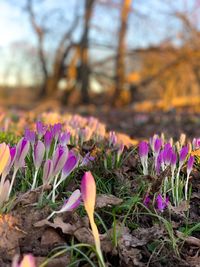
<point>22,150</point>
<point>47,171</point>
<point>159,162</point>
<point>143,149</point>
<point>70,204</point>
<point>167,154</point>
<point>59,159</point>
<point>38,154</point>
<point>157,145</point>
<point>70,164</point>
<point>30,136</point>
<point>143,153</point>
<point>161,203</point>
<point>48,137</point>
<point>183,154</point>
<point>146,200</point>
<point>87,159</point>
<point>11,161</point>
<point>19,162</point>
<point>189,169</point>
<point>112,138</point>
<point>190,164</point>
<point>64,138</point>
<point>41,128</point>
<point>173,160</point>
<point>196,143</point>
<point>56,130</point>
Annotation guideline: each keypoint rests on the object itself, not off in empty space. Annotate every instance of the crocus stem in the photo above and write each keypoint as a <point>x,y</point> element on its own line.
<point>96,239</point>
<point>165,187</point>
<point>186,186</point>
<point>177,185</point>
<point>51,215</point>
<point>54,148</point>
<point>172,185</point>
<point>34,180</point>
<point>54,188</point>
<point>12,181</point>
<point>3,177</point>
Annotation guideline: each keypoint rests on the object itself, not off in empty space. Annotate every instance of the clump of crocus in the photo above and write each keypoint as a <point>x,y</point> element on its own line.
<point>41,129</point>
<point>22,150</point>
<point>30,136</point>
<point>4,160</point>
<point>38,155</point>
<point>47,171</point>
<point>70,204</point>
<point>88,192</point>
<point>59,159</point>
<point>143,153</point>
<point>182,157</point>
<point>189,169</point>
<point>112,138</point>
<point>48,137</point>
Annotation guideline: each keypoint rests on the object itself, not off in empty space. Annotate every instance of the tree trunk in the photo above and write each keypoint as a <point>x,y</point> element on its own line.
<point>120,61</point>
<point>84,68</point>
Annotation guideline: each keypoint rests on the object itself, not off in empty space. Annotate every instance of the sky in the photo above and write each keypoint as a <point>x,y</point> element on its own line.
<point>147,26</point>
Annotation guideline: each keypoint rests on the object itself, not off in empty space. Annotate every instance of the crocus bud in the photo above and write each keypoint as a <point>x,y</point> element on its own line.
<point>157,145</point>
<point>27,261</point>
<point>146,200</point>
<point>48,137</point>
<point>11,161</point>
<point>183,154</point>
<point>70,164</point>
<point>112,138</point>
<point>70,204</point>
<point>173,161</point>
<point>30,136</point>
<point>182,139</point>
<point>88,193</point>
<point>143,149</point>
<point>143,153</point>
<point>56,130</point>
<point>167,154</point>
<point>59,159</point>
<point>64,138</point>
<point>190,164</point>
<point>41,128</point>
<point>87,159</point>
<point>4,156</point>
<point>47,171</point>
<point>4,191</point>
<point>22,150</point>
<point>38,154</point>
<point>152,141</point>
<point>159,162</point>
<point>161,203</point>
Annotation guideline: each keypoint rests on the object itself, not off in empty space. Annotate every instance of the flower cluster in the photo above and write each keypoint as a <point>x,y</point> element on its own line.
<point>172,156</point>
<point>47,150</point>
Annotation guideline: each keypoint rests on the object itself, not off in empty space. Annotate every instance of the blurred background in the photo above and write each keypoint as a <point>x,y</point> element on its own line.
<point>133,63</point>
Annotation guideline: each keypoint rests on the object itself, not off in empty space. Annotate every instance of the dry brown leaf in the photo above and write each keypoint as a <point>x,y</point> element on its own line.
<point>105,200</point>
<point>10,235</point>
<point>184,206</point>
<point>191,240</point>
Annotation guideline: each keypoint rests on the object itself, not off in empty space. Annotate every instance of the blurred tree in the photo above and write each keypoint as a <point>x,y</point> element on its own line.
<point>53,74</point>
<point>121,49</point>
<point>84,44</point>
